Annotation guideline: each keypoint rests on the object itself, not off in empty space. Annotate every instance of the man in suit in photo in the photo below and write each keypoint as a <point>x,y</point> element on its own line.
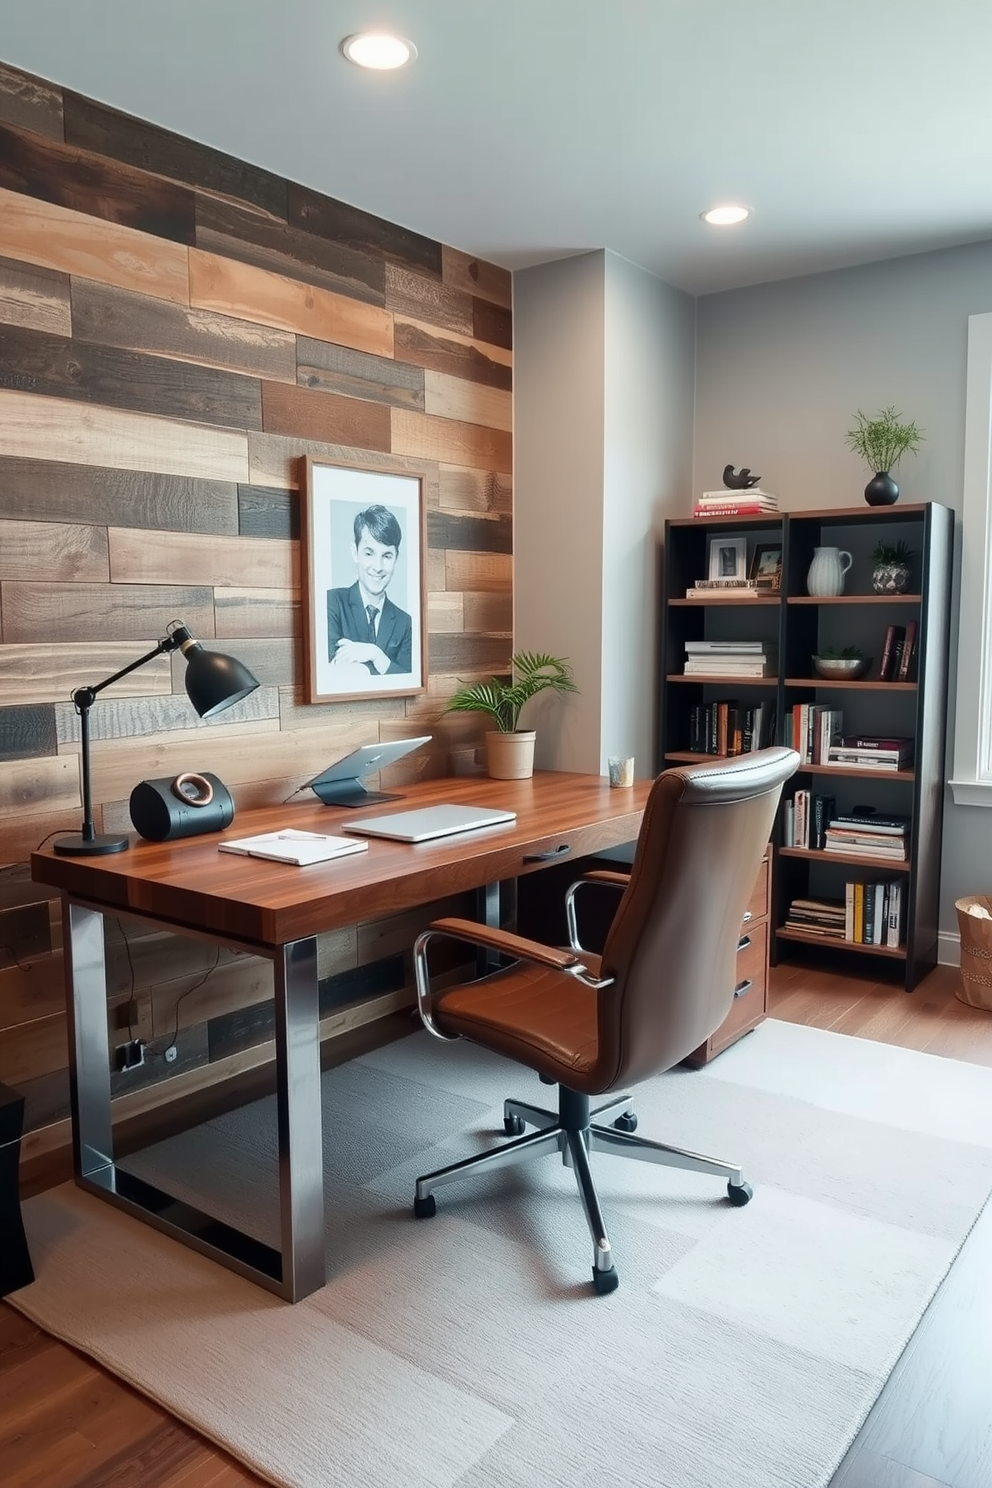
<point>364,626</point>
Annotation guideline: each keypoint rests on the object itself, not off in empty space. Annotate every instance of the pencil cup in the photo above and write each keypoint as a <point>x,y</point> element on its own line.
<point>621,770</point>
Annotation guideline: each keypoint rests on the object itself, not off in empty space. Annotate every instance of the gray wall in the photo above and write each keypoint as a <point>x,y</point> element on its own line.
<point>781,369</point>
<point>603,356</point>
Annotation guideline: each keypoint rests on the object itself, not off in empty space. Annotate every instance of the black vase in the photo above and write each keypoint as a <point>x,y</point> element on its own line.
<point>881,490</point>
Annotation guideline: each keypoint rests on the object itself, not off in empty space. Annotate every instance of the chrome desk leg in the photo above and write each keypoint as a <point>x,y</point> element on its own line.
<point>301,1164</point>
<point>89,1051</point>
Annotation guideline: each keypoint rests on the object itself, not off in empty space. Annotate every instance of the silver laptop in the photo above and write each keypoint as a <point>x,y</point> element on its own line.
<point>340,784</point>
<point>430,821</point>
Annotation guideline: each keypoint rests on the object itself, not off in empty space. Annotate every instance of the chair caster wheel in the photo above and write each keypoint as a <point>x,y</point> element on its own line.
<point>514,1126</point>
<point>605,1282</point>
<point>627,1122</point>
<point>424,1208</point>
<point>739,1194</point>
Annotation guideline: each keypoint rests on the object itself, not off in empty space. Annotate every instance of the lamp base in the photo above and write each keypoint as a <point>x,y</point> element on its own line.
<point>99,845</point>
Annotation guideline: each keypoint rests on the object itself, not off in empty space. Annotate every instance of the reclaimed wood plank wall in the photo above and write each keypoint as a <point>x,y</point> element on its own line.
<point>178,327</point>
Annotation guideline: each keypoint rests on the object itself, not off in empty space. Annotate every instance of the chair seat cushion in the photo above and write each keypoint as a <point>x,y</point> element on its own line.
<point>539,1018</point>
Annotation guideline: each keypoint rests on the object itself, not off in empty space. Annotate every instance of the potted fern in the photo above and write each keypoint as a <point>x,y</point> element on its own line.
<point>510,749</point>
<point>881,442</point>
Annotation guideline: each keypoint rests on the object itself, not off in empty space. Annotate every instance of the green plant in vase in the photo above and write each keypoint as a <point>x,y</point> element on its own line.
<point>893,567</point>
<point>841,663</point>
<point>881,442</point>
<point>510,749</point>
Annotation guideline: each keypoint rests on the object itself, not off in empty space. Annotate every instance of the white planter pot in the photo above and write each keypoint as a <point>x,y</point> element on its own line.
<point>510,756</point>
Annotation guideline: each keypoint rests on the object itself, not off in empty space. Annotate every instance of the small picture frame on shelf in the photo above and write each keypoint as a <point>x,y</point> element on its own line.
<point>766,565</point>
<point>728,558</point>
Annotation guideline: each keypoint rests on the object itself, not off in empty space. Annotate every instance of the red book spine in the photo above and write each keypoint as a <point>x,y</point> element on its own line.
<point>893,634</point>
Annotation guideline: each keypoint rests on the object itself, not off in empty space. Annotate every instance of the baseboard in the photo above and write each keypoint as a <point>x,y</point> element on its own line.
<point>948,948</point>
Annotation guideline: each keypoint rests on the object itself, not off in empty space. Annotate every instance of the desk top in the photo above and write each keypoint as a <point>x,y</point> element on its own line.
<point>192,886</point>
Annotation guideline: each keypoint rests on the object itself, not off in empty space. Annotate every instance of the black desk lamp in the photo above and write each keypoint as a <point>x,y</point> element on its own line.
<point>213,682</point>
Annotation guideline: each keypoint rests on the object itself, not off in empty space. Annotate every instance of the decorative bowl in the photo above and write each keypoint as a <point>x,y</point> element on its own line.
<point>841,668</point>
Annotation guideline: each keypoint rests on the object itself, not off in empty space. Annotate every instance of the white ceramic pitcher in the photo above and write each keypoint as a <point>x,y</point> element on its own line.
<point>826,572</point>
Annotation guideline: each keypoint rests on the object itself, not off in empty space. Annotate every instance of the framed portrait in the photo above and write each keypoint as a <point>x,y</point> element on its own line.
<point>728,558</point>
<point>362,543</point>
<point>766,565</point>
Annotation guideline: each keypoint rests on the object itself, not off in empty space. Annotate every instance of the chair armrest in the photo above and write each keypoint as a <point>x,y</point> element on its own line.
<point>606,878</point>
<point>517,946</point>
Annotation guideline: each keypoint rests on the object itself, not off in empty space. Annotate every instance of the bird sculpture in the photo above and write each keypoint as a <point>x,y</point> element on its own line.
<point>740,480</point>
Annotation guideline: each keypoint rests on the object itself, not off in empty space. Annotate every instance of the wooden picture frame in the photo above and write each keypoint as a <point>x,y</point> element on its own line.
<point>346,561</point>
<point>766,565</point>
<point>728,558</point>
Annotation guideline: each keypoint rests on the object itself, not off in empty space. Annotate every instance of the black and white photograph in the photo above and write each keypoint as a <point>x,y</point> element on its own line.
<point>728,558</point>
<point>362,581</point>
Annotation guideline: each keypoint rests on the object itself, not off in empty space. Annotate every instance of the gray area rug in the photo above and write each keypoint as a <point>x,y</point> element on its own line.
<point>743,1348</point>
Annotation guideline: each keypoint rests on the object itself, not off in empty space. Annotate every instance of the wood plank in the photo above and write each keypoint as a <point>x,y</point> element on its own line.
<point>30,102</point>
<point>275,460</point>
<point>492,613</point>
<point>295,713</point>
<point>486,280</point>
<point>445,612</point>
<point>259,612</point>
<point>267,512</point>
<point>236,232</point>
<point>27,730</point>
<point>23,831</point>
<point>116,317</point>
<point>50,490</point>
<point>192,558</point>
<point>466,490</point>
<point>488,534</point>
<point>463,653</point>
<point>87,182</point>
<point>53,550</point>
<point>432,438</point>
<point>41,428</point>
<point>361,231</point>
<point>35,1048</point>
<point>445,351</point>
<point>25,933</point>
<point>103,612</point>
<point>34,297</point>
<point>34,673</point>
<point>487,572</point>
<point>492,324</point>
<point>57,238</point>
<point>38,784</point>
<point>472,402</point>
<point>34,989</point>
<point>133,141</point>
<point>142,717</point>
<point>106,375</point>
<point>337,369</point>
<point>424,297</point>
<point>314,414</point>
<point>273,299</point>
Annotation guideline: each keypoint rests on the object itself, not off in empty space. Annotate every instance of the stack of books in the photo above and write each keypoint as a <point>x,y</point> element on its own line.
<point>816,730</point>
<point>873,913</point>
<point>823,918</point>
<point>898,646</point>
<point>870,752</point>
<point>728,728</point>
<point>868,836</point>
<point>729,659</point>
<point>753,502</point>
<point>711,589</point>
<point>805,819</point>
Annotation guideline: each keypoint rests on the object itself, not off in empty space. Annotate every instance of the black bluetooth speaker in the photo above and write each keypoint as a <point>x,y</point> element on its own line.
<point>181,806</point>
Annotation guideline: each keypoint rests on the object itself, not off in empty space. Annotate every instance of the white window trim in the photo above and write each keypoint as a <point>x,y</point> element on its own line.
<point>971,783</point>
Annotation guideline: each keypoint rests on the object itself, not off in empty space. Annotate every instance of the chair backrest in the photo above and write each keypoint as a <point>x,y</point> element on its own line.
<point>672,947</point>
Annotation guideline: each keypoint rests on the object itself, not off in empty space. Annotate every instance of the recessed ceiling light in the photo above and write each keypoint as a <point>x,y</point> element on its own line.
<point>375,49</point>
<point>725,216</point>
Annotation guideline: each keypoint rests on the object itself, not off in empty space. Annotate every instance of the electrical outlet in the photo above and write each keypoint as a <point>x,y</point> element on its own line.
<point>129,1056</point>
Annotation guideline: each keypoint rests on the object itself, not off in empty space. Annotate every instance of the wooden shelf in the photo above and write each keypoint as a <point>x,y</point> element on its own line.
<point>894,953</point>
<point>897,865</point>
<point>853,599</point>
<point>732,599</point>
<point>859,684</point>
<point>866,773</point>
<point>722,680</point>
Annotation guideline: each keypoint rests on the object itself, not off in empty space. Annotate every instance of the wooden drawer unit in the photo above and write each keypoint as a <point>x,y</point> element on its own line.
<point>751,999</point>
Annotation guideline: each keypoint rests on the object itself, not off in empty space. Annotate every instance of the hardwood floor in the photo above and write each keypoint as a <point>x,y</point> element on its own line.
<point>65,1423</point>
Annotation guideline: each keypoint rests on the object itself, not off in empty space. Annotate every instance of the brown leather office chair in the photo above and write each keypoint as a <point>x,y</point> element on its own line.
<point>664,983</point>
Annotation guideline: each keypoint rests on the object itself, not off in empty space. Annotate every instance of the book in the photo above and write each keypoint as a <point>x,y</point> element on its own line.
<point>749,493</point>
<point>745,648</point>
<point>301,848</point>
<point>725,583</point>
<point>712,667</point>
<point>714,596</point>
<point>906,656</point>
<point>888,824</point>
<point>736,509</point>
<point>893,928</point>
<point>876,741</point>
<point>893,636</point>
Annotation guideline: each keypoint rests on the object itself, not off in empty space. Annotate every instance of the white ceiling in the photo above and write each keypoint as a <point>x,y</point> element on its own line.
<point>528,130</point>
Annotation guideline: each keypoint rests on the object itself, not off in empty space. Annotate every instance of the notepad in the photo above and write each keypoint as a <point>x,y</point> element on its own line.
<point>302,848</point>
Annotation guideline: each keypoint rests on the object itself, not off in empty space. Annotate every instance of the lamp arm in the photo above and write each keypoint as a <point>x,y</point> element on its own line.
<point>83,697</point>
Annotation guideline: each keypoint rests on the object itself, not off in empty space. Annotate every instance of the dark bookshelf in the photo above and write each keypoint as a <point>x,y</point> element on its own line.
<point>799,626</point>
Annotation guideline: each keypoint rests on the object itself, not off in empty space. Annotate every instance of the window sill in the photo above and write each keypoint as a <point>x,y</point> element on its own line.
<point>971,792</point>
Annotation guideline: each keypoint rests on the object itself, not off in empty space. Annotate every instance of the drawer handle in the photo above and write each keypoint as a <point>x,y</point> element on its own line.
<point>747,916</point>
<point>546,857</point>
<point>744,942</point>
<point>743,987</point>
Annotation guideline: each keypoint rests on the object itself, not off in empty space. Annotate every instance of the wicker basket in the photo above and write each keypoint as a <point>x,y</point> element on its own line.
<point>976,953</point>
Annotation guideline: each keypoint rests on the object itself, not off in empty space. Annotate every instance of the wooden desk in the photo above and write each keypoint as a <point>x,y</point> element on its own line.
<point>277,910</point>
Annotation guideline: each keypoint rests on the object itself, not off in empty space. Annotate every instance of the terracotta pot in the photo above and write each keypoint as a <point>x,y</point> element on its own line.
<point>510,756</point>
